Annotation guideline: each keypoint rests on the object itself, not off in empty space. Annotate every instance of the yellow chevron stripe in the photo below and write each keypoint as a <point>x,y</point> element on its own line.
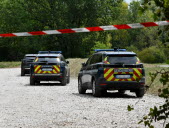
<point>56,68</point>
<point>129,79</point>
<point>39,71</point>
<point>110,78</point>
<point>108,72</point>
<point>49,72</point>
<point>37,68</point>
<point>136,70</point>
<point>54,71</point>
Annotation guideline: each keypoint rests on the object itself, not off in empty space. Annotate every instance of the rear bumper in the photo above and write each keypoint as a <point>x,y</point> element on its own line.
<point>117,85</point>
<point>47,77</point>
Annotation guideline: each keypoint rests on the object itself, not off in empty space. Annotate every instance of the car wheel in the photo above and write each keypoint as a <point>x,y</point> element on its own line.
<point>140,92</point>
<point>68,79</point>
<point>22,72</point>
<point>64,81</point>
<point>95,90</point>
<point>121,91</point>
<point>32,81</point>
<point>80,87</point>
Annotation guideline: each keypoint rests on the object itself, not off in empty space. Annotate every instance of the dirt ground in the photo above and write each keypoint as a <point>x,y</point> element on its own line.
<point>50,105</point>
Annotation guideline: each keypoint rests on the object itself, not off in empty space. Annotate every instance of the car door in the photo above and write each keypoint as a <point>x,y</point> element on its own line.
<point>86,72</point>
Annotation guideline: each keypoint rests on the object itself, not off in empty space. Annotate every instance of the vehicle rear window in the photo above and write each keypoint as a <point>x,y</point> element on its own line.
<point>48,59</point>
<point>30,57</point>
<point>122,60</point>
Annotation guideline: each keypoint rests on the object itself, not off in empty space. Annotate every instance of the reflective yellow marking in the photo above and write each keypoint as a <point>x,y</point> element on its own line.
<point>37,67</point>
<point>108,72</point>
<point>39,71</point>
<point>110,78</point>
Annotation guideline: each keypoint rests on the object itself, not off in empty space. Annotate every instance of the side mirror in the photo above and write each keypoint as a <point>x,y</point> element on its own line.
<point>67,62</point>
<point>83,64</point>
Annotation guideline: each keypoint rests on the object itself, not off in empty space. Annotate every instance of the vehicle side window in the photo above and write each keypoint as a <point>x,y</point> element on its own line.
<point>89,61</point>
<point>62,58</point>
<point>96,58</point>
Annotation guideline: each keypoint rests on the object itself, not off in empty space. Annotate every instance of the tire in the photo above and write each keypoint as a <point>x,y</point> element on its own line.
<point>68,79</point>
<point>22,72</point>
<point>32,81</point>
<point>121,91</point>
<point>64,81</point>
<point>80,87</point>
<point>95,90</point>
<point>140,92</point>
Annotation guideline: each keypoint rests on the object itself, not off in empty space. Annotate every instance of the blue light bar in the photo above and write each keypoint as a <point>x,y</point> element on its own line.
<point>100,50</point>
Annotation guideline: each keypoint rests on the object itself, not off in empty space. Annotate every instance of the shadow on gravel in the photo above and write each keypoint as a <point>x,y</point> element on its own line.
<point>45,84</point>
<point>26,75</point>
<point>108,95</point>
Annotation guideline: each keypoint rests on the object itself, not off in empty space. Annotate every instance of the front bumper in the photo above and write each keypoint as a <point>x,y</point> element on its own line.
<point>117,85</point>
<point>47,77</point>
<point>26,70</point>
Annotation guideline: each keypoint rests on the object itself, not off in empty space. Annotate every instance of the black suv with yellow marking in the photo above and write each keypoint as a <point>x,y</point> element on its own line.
<point>26,62</point>
<point>50,67</point>
<point>112,69</point>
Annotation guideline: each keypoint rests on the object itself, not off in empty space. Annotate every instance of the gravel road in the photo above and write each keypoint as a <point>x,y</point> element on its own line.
<point>50,105</point>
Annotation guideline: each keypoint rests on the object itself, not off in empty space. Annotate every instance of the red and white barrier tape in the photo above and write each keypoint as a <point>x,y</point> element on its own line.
<point>88,29</point>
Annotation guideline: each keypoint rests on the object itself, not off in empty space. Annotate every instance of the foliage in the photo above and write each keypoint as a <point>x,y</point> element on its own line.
<point>152,55</point>
<point>25,16</point>
<point>160,113</point>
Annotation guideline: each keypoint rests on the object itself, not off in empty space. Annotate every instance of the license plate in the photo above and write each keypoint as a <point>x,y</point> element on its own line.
<point>47,69</point>
<point>123,70</point>
<point>122,76</point>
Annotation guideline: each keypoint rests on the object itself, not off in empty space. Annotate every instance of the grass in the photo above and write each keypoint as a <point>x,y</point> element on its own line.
<point>75,65</point>
<point>10,64</point>
<point>156,84</point>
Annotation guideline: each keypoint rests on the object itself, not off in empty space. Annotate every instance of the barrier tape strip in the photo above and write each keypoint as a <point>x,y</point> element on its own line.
<point>88,29</point>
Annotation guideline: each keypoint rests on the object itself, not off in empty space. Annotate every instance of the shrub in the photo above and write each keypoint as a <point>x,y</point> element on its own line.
<point>152,55</point>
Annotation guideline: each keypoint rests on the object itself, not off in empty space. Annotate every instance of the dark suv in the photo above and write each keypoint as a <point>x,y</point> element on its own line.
<point>25,63</point>
<point>50,67</point>
<point>112,69</point>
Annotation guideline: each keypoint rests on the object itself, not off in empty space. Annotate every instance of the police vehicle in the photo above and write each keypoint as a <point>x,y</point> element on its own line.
<point>25,63</point>
<point>112,69</point>
<point>50,67</point>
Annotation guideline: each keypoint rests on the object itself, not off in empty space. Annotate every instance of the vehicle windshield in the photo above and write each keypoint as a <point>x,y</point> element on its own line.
<point>122,60</point>
<point>48,59</point>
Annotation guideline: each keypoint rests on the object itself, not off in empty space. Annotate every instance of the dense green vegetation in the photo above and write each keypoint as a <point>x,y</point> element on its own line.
<point>25,16</point>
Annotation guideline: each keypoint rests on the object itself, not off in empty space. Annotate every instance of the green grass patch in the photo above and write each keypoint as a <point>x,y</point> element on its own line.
<point>10,64</point>
<point>156,84</point>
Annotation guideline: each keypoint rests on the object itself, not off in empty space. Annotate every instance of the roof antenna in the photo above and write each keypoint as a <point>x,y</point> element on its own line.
<point>115,49</point>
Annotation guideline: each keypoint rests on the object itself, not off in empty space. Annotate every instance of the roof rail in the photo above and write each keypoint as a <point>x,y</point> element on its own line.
<point>115,49</point>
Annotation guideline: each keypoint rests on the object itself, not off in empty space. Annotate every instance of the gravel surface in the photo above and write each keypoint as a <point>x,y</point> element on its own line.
<point>50,105</point>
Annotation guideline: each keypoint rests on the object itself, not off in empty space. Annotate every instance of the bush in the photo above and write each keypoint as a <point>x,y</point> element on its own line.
<point>167,61</point>
<point>132,48</point>
<point>152,55</point>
